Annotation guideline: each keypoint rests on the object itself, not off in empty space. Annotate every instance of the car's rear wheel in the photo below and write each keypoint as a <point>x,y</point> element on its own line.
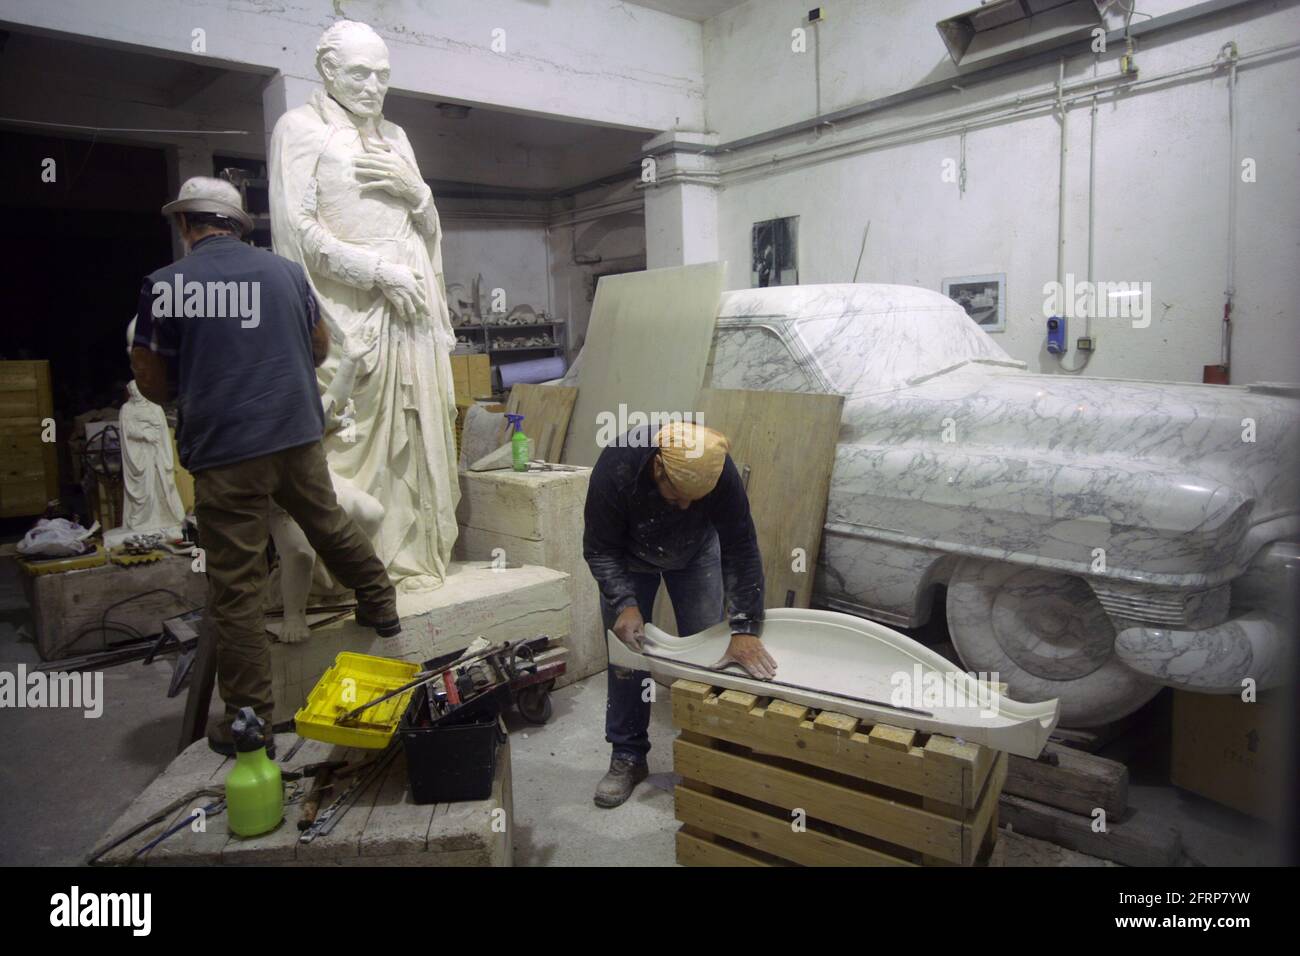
<point>1046,635</point>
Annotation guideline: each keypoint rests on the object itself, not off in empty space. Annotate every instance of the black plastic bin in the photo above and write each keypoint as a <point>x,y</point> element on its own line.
<point>454,760</point>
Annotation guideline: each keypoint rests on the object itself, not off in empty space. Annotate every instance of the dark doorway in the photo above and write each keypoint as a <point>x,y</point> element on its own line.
<point>74,252</point>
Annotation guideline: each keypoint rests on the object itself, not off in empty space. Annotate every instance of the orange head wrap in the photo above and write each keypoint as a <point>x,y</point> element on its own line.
<point>693,457</point>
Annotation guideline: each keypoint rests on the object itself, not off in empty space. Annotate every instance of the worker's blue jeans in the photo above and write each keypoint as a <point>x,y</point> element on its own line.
<point>696,594</point>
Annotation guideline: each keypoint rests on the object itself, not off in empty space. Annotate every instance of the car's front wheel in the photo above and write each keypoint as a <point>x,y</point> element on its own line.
<point>1046,635</point>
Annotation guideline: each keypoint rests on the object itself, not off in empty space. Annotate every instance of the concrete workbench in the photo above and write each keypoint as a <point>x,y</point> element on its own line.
<point>383,828</point>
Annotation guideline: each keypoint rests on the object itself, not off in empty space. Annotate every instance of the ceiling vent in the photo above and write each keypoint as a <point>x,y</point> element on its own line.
<point>1002,30</point>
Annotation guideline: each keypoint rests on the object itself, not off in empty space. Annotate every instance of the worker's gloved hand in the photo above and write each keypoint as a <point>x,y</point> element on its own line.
<point>748,651</point>
<point>630,627</point>
<point>404,288</point>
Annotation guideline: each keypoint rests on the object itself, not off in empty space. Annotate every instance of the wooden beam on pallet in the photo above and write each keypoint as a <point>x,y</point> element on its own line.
<point>1137,840</point>
<point>1070,779</point>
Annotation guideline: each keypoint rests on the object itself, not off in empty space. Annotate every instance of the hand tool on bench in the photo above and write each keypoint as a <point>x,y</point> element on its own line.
<point>329,817</point>
<point>293,750</point>
<point>421,678</point>
<point>312,804</point>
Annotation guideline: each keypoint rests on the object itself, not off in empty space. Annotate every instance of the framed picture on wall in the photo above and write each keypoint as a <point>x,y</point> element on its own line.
<point>774,259</point>
<point>983,297</point>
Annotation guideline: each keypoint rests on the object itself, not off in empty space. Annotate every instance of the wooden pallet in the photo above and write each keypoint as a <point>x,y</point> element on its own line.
<point>870,795</point>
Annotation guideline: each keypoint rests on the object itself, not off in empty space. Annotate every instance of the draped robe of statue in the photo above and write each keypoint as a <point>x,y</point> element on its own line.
<point>403,448</point>
<point>150,499</point>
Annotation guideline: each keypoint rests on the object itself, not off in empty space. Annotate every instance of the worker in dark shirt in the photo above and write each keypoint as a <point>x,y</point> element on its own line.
<point>668,505</point>
<point>231,332</point>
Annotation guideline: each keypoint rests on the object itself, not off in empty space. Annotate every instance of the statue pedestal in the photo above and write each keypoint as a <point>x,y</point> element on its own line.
<point>475,600</point>
<point>536,518</point>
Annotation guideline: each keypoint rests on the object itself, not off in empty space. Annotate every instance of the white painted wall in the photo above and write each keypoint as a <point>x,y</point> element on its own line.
<point>532,249</point>
<point>509,255</point>
<point>607,224</point>
<point>1161,180</point>
<point>597,60</point>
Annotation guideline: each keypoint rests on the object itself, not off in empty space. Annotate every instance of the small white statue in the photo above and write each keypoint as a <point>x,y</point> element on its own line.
<point>301,576</point>
<point>149,496</point>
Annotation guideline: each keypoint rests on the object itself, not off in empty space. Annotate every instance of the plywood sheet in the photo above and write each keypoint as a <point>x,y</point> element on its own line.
<point>647,346</point>
<point>785,443</point>
<point>546,410</point>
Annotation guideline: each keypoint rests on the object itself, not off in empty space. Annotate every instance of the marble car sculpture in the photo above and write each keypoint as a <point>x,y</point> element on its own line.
<point>1097,538</point>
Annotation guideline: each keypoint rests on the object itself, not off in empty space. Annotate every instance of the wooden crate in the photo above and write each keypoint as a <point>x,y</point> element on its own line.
<point>872,795</point>
<point>471,377</point>
<point>29,468</point>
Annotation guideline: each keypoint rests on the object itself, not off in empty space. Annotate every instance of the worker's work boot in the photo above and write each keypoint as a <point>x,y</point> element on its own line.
<point>617,785</point>
<point>384,625</point>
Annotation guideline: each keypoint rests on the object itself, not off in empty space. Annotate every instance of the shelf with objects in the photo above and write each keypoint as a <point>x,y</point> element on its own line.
<point>249,177</point>
<point>530,337</point>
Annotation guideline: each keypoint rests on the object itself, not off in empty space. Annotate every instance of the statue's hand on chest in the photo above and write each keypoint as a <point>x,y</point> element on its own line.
<point>382,168</point>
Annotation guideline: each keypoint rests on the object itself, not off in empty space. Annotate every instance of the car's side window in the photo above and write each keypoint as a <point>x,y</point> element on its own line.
<point>756,358</point>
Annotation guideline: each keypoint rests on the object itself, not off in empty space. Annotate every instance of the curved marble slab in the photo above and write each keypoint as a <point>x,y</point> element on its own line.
<point>1212,661</point>
<point>842,663</point>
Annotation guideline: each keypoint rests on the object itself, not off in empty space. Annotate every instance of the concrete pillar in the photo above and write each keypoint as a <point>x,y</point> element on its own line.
<point>282,94</point>
<point>185,160</point>
<point>681,203</point>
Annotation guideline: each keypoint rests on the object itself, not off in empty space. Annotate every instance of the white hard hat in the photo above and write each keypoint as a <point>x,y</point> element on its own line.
<point>216,196</point>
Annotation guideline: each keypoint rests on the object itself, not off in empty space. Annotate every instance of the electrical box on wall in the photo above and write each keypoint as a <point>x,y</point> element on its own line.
<point>1056,342</point>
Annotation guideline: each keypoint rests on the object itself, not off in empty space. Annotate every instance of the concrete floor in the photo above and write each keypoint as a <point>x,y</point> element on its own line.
<point>556,768</point>
<point>64,778</point>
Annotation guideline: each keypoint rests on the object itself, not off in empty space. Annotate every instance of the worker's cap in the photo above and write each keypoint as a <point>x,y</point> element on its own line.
<point>210,195</point>
<point>693,457</point>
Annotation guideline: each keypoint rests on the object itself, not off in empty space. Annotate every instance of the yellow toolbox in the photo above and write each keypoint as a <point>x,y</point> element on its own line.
<point>352,680</point>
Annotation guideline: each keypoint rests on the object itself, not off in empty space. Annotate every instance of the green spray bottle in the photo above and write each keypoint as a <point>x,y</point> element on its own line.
<point>518,443</point>
<point>254,791</point>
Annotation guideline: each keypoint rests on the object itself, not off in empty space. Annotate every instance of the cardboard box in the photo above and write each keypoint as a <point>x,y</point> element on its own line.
<point>480,376</point>
<point>1233,752</point>
<point>460,376</point>
<point>472,377</point>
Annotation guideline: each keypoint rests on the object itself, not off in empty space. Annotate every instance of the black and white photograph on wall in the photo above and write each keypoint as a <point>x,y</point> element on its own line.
<point>983,298</point>
<point>773,256</point>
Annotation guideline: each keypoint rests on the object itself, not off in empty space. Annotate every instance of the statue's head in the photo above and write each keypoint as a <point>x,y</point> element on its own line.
<point>352,59</point>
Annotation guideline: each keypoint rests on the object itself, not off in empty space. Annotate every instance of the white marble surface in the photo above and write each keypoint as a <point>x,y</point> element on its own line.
<point>842,663</point>
<point>1148,494</point>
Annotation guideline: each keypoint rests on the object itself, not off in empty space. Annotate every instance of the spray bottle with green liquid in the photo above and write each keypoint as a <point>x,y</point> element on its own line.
<point>518,443</point>
<point>254,790</point>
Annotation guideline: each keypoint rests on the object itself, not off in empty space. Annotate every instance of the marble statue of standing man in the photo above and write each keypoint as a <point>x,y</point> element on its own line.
<point>348,202</point>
